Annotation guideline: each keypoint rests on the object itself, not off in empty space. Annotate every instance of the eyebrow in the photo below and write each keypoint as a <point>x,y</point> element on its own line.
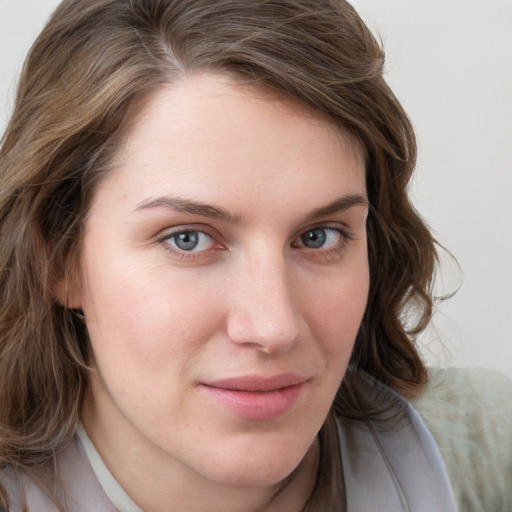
<point>178,204</point>
<point>337,206</point>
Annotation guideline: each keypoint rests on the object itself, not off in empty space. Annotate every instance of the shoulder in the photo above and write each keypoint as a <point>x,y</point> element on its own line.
<point>469,413</point>
<point>23,493</point>
<point>390,450</point>
<point>70,483</point>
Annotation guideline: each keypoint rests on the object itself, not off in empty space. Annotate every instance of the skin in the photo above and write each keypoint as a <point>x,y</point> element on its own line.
<point>255,296</point>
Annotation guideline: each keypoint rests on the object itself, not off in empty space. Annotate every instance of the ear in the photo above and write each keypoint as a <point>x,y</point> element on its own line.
<point>67,289</point>
<point>66,296</point>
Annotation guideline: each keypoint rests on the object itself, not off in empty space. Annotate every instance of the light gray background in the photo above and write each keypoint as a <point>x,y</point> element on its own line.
<point>450,63</point>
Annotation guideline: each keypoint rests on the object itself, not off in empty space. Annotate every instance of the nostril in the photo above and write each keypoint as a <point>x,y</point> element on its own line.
<point>268,335</point>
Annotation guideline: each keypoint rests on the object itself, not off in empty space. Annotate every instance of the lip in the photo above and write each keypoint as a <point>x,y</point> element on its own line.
<point>257,398</point>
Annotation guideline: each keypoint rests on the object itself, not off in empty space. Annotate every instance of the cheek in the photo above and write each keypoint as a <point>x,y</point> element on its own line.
<point>336,309</point>
<point>146,316</point>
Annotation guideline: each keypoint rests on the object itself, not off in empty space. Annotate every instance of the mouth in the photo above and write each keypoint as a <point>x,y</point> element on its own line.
<point>257,398</point>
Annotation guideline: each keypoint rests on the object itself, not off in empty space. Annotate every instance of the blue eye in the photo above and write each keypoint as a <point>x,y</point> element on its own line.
<point>321,238</point>
<point>190,241</point>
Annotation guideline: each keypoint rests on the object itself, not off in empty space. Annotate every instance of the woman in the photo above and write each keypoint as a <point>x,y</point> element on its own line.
<point>212,276</point>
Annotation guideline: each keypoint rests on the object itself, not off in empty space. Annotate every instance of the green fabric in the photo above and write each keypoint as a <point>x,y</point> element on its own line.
<point>469,412</point>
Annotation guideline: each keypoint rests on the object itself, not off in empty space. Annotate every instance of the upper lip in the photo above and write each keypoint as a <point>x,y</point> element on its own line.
<point>257,382</point>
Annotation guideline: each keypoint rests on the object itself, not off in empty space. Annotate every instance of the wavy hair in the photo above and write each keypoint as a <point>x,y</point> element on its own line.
<point>91,61</point>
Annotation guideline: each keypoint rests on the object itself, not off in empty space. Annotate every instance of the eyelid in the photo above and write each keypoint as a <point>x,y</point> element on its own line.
<point>343,229</point>
<point>165,235</point>
<point>181,228</point>
<point>325,255</point>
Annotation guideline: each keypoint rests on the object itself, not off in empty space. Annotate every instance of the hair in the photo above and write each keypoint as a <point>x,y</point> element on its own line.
<point>89,64</point>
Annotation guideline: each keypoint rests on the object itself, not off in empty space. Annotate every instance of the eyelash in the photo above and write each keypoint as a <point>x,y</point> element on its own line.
<point>345,236</point>
<point>183,254</point>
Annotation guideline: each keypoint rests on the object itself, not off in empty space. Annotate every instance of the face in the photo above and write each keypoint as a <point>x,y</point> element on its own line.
<point>224,276</point>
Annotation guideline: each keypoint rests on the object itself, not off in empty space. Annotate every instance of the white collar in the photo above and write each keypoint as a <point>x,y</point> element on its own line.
<point>116,494</point>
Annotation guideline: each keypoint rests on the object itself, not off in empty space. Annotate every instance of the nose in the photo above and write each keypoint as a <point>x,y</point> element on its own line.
<point>263,313</point>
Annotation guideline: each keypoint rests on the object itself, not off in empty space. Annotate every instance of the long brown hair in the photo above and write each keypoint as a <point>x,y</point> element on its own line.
<point>93,58</point>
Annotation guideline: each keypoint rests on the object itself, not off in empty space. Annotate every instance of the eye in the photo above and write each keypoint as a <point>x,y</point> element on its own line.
<point>190,240</point>
<point>321,238</point>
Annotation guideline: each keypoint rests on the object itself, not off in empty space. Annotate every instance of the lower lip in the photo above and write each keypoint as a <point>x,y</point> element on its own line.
<point>257,405</point>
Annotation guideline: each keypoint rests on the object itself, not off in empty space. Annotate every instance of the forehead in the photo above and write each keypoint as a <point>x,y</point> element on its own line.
<point>204,94</point>
<point>210,137</point>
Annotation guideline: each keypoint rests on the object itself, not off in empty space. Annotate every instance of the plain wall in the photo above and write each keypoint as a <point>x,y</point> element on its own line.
<point>450,64</point>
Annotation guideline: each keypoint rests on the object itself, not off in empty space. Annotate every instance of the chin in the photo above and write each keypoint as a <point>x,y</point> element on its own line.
<point>257,466</point>
<point>253,475</point>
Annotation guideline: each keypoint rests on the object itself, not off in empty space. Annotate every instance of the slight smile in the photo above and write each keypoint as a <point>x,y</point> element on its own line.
<point>257,398</point>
